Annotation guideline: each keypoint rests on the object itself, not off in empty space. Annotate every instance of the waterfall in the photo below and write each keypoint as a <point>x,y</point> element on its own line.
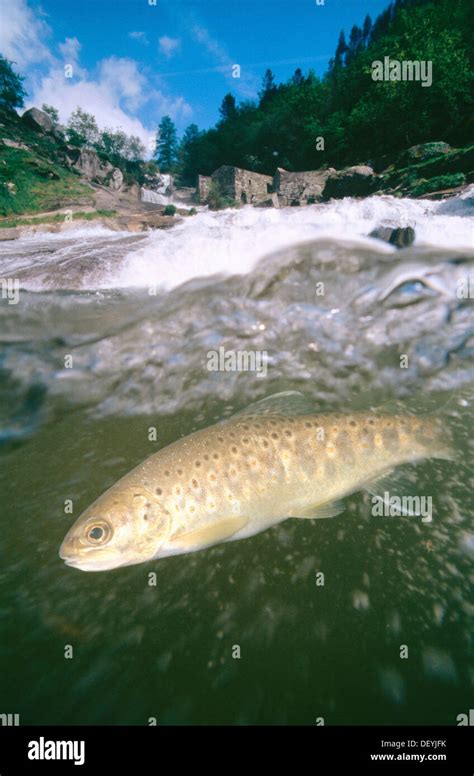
<point>152,197</point>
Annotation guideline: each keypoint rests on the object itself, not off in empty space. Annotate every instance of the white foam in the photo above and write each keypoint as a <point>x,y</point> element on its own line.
<point>232,241</point>
<point>77,233</point>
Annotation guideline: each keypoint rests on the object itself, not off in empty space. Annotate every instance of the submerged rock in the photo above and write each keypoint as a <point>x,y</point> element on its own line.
<point>401,237</point>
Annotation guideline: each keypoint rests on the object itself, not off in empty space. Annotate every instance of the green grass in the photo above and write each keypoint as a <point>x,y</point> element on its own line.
<point>42,181</point>
<point>39,184</point>
<point>438,183</point>
<point>457,165</point>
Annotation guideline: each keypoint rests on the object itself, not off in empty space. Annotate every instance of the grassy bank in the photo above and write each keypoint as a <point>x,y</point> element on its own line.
<point>34,176</point>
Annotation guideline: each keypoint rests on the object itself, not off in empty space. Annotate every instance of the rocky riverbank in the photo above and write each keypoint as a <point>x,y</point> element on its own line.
<point>47,185</point>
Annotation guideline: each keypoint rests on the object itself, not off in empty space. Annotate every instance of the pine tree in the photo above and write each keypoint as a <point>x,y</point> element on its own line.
<point>166,145</point>
<point>341,48</point>
<point>11,85</point>
<point>297,78</point>
<point>268,85</point>
<point>355,43</point>
<point>228,108</point>
<point>367,29</point>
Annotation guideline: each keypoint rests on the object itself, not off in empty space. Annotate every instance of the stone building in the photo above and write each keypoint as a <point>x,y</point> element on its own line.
<point>243,186</point>
<point>300,188</point>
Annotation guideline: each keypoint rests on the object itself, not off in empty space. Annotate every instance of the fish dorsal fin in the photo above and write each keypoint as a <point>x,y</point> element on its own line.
<point>419,404</point>
<point>285,403</point>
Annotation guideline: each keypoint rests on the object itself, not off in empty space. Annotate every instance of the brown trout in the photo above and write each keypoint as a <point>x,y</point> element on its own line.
<point>238,477</point>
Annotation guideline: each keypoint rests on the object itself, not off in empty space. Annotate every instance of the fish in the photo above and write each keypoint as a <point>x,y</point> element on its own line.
<point>275,460</point>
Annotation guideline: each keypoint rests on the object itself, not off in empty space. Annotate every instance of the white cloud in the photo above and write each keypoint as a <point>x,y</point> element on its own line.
<point>139,36</point>
<point>22,34</point>
<point>212,46</point>
<point>70,50</point>
<point>118,89</point>
<point>169,46</point>
<point>115,90</point>
<point>123,79</point>
<point>247,84</point>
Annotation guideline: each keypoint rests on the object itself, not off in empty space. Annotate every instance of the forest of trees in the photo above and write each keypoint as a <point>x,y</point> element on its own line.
<point>358,118</point>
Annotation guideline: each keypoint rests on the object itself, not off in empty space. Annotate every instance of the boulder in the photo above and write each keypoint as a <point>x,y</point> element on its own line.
<point>358,181</point>
<point>38,120</point>
<point>114,179</point>
<point>72,154</point>
<point>13,144</point>
<point>185,194</point>
<point>425,151</point>
<point>89,164</point>
<point>134,191</point>
<point>142,222</point>
<point>401,237</point>
<point>91,167</point>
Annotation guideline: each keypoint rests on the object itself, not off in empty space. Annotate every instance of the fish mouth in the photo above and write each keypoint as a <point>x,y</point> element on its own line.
<point>83,564</point>
<point>98,563</point>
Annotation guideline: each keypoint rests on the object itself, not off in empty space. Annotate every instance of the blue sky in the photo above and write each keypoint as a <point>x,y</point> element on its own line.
<point>133,62</point>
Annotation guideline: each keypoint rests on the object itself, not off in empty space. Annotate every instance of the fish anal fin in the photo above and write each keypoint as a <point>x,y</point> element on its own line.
<point>397,486</point>
<point>328,509</point>
<point>209,534</point>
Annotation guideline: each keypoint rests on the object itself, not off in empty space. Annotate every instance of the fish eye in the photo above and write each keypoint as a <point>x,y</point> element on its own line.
<point>98,533</point>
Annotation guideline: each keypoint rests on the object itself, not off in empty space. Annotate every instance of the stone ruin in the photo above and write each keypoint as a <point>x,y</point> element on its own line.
<point>251,188</point>
<point>300,188</point>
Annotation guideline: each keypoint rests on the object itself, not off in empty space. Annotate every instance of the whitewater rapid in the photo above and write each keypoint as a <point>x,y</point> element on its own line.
<point>228,242</point>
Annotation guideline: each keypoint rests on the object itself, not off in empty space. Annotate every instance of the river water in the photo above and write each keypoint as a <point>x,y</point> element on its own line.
<point>109,339</point>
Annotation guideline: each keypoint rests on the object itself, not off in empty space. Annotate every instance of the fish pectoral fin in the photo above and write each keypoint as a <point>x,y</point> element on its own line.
<point>329,509</point>
<point>210,534</point>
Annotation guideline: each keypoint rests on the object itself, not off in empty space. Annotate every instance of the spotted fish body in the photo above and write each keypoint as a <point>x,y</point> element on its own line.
<point>237,478</point>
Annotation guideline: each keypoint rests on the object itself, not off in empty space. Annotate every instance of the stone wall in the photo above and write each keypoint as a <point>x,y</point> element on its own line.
<point>299,188</point>
<point>243,186</point>
<point>202,188</point>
